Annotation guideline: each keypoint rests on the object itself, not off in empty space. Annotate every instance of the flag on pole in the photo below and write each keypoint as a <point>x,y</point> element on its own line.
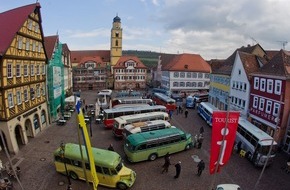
<point>88,146</point>
<point>224,130</point>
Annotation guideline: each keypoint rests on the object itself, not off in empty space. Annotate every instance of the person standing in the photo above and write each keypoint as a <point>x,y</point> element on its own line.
<point>111,148</point>
<point>200,167</point>
<point>177,169</point>
<point>201,130</point>
<point>166,163</point>
<point>186,113</point>
<point>200,141</point>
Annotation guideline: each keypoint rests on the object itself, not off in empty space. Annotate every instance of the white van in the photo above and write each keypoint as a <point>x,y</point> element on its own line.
<point>140,127</point>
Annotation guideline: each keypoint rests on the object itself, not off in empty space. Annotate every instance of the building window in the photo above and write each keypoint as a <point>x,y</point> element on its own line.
<point>276,109</point>
<point>33,46</point>
<point>37,91</point>
<point>278,86</point>
<point>194,84</point>
<point>269,85</point>
<point>18,97</point>
<point>194,75</point>
<point>37,70</point>
<point>30,24</point>
<point>199,75</point>
<point>32,95</point>
<point>239,71</point>
<point>32,69</point>
<point>10,100</point>
<point>25,95</point>
<point>36,27</point>
<point>39,47</point>
<point>200,84</point>
<point>9,70</point>
<point>116,43</point>
<point>18,70</point>
<point>176,74</point>
<point>262,103</point>
<point>245,86</point>
<point>188,75</point>
<point>263,85</point>
<point>175,84</point>
<point>25,70</point>
<point>43,69</point>
<point>255,102</point>
<point>256,83</point>
<point>181,84</point>
<point>188,84</point>
<point>182,75</point>
<point>206,76</point>
<point>20,42</point>
<point>268,106</point>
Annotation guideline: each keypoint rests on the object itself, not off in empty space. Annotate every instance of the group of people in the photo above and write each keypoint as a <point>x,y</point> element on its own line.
<point>167,163</point>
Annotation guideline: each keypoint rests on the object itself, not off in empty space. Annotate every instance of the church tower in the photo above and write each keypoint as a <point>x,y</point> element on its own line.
<point>116,41</point>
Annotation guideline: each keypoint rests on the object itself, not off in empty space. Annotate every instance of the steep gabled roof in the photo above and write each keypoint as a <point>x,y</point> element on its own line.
<point>11,21</point>
<point>123,59</point>
<point>279,65</point>
<point>187,62</point>
<point>216,64</point>
<point>250,62</point>
<point>98,60</point>
<point>76,56</point>
<point>49,43</point>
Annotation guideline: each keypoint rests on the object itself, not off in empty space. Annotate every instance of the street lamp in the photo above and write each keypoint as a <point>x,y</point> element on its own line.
<point>62,153</point>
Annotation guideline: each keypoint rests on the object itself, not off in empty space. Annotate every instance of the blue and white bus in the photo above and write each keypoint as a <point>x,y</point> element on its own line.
<point>161,90</point>
<point>255,142</point>
<point>189,103</point>
<point>205,110</point>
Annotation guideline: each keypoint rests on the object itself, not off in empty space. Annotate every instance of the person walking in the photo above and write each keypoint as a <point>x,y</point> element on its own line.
<point>166,163</point>
<point>200,167</point>
<point>201,130</point>
<point>177,169</point>
<point>111,148</point>
<point>186,113</point>
<point>239,147</point>
<point>200,141</point>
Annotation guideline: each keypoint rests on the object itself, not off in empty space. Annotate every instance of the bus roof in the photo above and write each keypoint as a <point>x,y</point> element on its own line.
<point>264,138</point>
<point>101,156</point>
<point>147,123</point>
<point>164,97</point>
<point>128,109</point>
<point>129,105</point>
<point>123,118</point>
<point>139,138</point>
<point>209,106</point>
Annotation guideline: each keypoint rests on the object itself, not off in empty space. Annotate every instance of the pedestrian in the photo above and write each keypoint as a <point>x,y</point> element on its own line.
<point>200,167</point>
<point>194,104</point>
<point>111,148</point>
<point>179,109</point>
<point>239,147</point>
<point>166,163</point>
<point>200,141</point>
<point>177,169</point>
<point>195,141</point>
<point>170,114</point>
<point>186,113</point>
<point>201,130</point>
<point>86,107</point>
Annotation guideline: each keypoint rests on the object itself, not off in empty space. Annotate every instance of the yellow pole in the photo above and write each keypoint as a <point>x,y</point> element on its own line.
<point>87,143</point>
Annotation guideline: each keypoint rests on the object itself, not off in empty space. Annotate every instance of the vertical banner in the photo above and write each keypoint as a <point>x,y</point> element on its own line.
<point>87,144</point>
<point>224,129</point>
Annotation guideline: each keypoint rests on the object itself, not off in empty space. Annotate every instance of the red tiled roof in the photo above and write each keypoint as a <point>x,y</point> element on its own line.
<point>123,59</point>
<point>193,62</point>
<point>11,21</point>
<point>250,62</point>
<point>279,65</point>
<point>98,60</point>
<point>49,44</point>
<point>216,64</point>
<point>76,56</point>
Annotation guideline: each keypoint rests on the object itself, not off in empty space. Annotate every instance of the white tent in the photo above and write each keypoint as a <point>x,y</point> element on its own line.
<point>70,99</point>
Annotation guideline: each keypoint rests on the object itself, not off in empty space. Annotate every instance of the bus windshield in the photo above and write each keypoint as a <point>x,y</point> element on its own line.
<point>265,149</point>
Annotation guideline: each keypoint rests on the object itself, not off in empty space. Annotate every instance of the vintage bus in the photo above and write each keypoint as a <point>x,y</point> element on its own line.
<point>122,121</point>
<point>140,127</point>
<point>205,110</point>
<point>110,114</point>
<point>255,142</point>
<point>118,101</point>
<point>161,90</point>
<point>200,98</point>
<point>110,169</point>
<point>189,102</point>
<point>153,144</point>
<point>105,93</point>
<point>162,99</point>
<point>128,94</point>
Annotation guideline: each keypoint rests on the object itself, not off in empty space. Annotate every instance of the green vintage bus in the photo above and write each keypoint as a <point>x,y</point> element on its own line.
<point>150,145</point>
<point>110,169</point>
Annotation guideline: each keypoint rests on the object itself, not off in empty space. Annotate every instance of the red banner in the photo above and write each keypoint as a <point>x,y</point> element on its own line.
<point>222,128</point>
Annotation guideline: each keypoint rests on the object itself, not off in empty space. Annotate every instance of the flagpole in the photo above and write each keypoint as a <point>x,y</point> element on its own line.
<point>221,147</point>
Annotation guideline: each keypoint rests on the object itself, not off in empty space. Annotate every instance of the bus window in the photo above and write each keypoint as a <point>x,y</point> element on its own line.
<point>106,171</point>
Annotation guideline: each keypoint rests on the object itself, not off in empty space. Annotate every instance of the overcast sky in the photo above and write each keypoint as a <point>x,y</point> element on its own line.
<point>211,28</point>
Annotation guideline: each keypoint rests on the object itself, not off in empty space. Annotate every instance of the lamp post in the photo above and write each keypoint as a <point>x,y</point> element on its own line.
<point>62,153</point>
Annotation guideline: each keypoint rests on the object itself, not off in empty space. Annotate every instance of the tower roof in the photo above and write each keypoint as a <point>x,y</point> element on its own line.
<point>117,19</point>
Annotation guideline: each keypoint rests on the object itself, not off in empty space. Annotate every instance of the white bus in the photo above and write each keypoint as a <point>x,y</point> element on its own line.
<point>255,142</point>
<point>122,121</point>
<point>205,110</point>
<point>140,127</point>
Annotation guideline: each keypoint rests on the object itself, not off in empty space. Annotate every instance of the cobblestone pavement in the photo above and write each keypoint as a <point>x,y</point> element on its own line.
<point>38,173</point>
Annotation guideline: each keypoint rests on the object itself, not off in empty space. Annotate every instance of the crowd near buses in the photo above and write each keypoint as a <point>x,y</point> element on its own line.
<point>147,134</point>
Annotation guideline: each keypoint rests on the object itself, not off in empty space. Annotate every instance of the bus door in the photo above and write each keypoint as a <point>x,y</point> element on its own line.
<point>104,176</point>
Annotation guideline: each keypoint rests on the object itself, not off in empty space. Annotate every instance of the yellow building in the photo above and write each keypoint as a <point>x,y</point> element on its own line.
<point>23,107</point>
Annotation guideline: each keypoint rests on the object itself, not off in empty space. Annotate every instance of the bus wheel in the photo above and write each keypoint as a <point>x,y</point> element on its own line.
<point>152,157</point>
<point>73,175</point>
<point>122,186</point>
